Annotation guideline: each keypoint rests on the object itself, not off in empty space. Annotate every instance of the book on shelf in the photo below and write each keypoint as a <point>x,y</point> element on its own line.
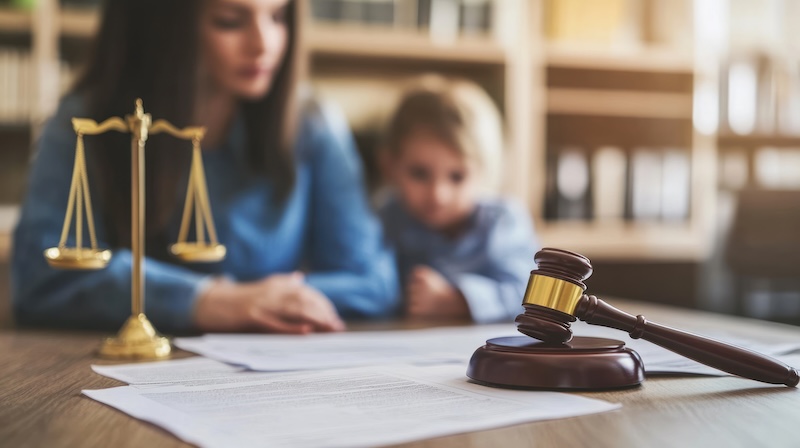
<point>476,16</point>
<point>424,13</point>
<point>660,184</point>
<point>16,86</point>
<point>353,11</point>
<point>608,184</point>
<point>598,22</point>
<point>733,169</point>
<point>675,189</point>
<point>777,168</point>
<point>81,4</point>
<point>669,24</point>
<point>572,185</point>
<point>760,95</point>
<point>646,182</point>
<point>326,10</point>
<point>406,13</point>
<point>609,168</point>
<point>443,19</point>
<point>788,94</point>
<point>740,94</point>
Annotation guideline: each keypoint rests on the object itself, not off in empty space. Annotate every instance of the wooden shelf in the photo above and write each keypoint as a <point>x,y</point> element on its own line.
<point>5,247</point>
<point>15,21</point>
<point>387,43</point>
<point>80,23</point>
<point>642,59</point>
<point>15,126</point>
<point>619,103</point>
<point>72,22</point>
<point>757,140</point>
<point>618,240</point>
<point>8,219</point>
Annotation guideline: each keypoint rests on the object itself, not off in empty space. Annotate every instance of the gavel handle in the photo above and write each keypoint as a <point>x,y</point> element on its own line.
<point>725,357</point>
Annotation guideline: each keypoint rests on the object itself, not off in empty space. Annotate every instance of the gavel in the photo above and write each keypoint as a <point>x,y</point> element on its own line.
<point>555,297</point>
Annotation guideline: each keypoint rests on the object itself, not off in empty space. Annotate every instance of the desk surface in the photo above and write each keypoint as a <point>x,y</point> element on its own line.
<point>43,372</point>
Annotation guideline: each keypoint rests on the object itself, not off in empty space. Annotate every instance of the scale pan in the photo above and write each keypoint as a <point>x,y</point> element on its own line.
<point>198,252</point>
<point>77,258</point>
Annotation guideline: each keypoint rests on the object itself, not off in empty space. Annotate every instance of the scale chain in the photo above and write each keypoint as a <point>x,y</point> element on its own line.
<point>88,198</point>
<point>72,193</point>
<point>205,204</point>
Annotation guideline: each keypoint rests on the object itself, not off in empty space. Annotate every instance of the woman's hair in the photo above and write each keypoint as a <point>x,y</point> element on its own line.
<point>458,112</point>
<point>150,49</point>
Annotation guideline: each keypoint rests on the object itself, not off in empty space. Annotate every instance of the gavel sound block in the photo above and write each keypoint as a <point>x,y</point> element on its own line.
<point>550,358</point>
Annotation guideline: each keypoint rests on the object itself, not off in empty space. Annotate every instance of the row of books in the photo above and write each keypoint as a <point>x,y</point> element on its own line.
<point>18,90</point>
<point>439,16</point>
<point>81,3</point>
<point>760,95</point>
<point>29,4</point>
<point>773,168</point>
<point>610,184</point>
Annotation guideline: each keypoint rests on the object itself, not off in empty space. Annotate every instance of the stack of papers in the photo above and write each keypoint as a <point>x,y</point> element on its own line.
<point>352,389</point>
<point>366,406</point>
<point>272,353</point>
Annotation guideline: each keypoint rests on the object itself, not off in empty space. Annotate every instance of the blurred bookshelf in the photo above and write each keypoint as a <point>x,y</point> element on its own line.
<point>15,20</point>
<point>411,45</point>
<point>360,50</point>
<point>571,74</point>
<point>627,174</point>
<point>610,89</point>
<point>33,72</point>
<point>363,50</point>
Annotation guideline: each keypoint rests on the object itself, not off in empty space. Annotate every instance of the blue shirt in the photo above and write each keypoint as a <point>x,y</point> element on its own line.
<point>489,263</point>
<point>325,227</point>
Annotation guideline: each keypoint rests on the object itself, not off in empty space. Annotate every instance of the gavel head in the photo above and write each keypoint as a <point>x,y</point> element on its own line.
<point>554,291</point>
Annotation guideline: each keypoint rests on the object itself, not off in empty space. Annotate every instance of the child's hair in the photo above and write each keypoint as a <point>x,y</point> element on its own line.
<point>458,112</point>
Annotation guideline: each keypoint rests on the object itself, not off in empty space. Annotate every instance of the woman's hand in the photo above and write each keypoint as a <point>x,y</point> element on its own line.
<point>431,295</point>
<point>279,303</point>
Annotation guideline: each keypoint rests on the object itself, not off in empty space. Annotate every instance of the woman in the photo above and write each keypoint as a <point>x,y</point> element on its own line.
<point>286,193</point>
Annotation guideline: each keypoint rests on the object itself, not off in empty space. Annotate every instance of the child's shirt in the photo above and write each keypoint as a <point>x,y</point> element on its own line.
<point>489,262</point>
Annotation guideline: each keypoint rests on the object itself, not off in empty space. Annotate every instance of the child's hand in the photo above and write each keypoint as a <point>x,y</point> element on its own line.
<point>430,295</point>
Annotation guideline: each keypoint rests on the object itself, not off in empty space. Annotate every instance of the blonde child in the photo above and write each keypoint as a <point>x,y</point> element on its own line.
<point>461,252</point>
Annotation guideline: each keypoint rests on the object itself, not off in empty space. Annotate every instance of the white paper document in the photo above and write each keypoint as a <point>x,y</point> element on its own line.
<point>159,372</point>
<point>364,406</point>
<point>196,371</point>
<point>350,349</point>
<point>430,346</point>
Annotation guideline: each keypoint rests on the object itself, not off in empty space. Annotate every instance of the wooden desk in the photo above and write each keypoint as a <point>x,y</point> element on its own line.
<point>43,372</point>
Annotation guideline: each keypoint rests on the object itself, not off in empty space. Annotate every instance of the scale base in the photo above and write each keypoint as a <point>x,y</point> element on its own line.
<point>583,363</point>
<point>136,340</point>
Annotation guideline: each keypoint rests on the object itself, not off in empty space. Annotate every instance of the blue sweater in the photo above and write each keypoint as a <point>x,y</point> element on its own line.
<point>325,227</point>
<point>489,263</point>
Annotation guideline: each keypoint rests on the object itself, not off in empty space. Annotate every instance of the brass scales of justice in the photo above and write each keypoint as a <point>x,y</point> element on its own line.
<point>138,338</point>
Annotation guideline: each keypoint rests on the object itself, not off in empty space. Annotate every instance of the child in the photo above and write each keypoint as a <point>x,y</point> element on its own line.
<point>460,253</point>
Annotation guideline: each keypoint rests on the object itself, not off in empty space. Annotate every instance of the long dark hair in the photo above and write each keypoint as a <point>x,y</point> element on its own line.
<point>149,49</point>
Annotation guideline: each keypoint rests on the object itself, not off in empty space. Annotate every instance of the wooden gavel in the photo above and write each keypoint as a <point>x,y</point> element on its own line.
<point>555,298</point>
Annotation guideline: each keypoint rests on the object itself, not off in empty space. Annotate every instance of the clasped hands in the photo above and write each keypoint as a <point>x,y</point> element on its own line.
<point>430,296</point>
<point>280,303</point>
<point>283,303</point>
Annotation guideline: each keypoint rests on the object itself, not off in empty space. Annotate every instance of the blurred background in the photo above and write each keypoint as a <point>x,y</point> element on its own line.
<point>661,138</point>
